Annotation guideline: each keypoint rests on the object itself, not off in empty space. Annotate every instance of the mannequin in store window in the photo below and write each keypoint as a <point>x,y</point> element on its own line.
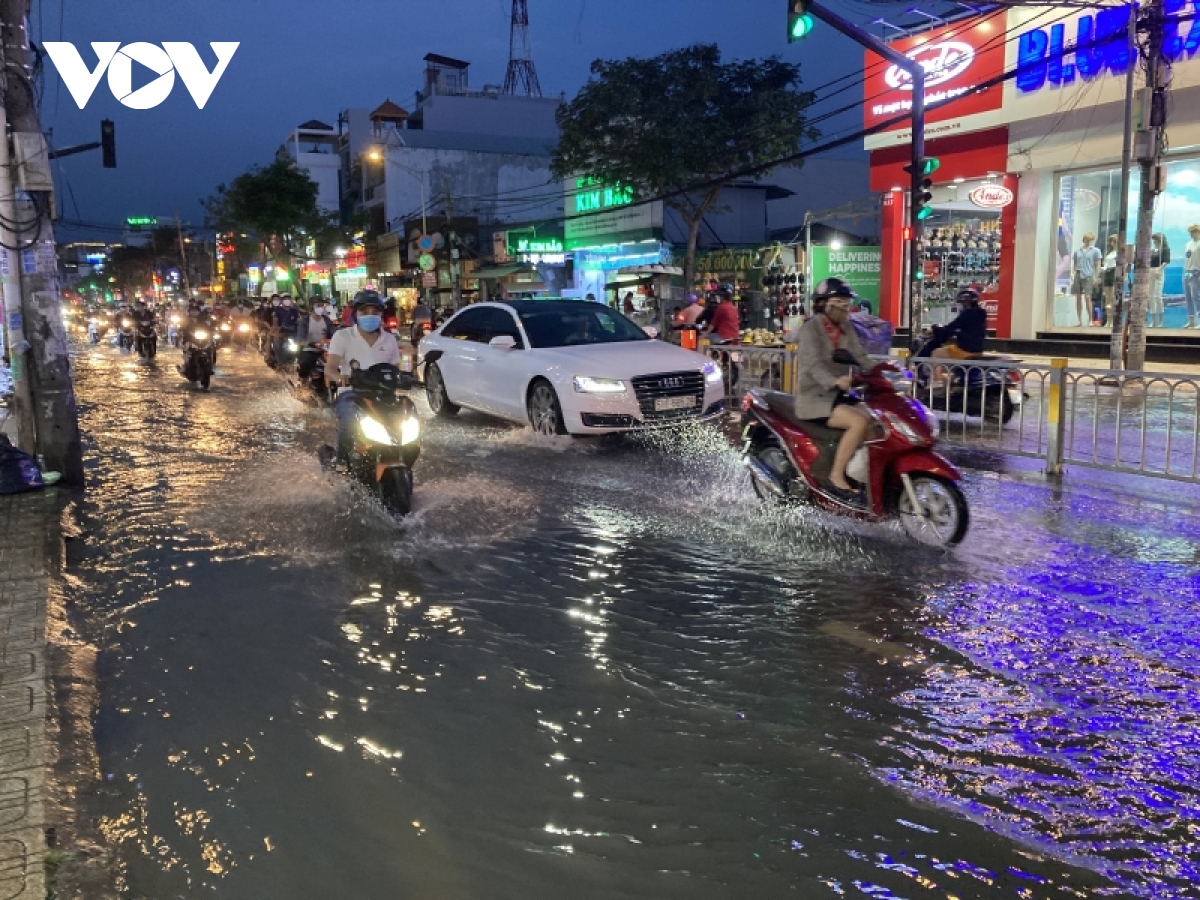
<point>1160,255</point>
<point>1110,278</point>
<point>1191,276</point>
<point>1085,265</point>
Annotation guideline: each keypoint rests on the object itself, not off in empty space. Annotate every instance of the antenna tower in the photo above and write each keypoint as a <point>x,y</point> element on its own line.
<point>522,76</point>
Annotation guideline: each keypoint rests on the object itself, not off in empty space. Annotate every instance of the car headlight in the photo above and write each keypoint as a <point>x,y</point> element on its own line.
<point>200,334</point>
<point>586,385</point>
<point>712,373</point>
<point>374,431</point>
<point>410,431</point>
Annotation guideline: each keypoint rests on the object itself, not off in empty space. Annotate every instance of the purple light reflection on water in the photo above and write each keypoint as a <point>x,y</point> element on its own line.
<point>1073,722</point>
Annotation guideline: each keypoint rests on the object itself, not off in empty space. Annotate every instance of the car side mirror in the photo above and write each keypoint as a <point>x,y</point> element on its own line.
<point>651,332</point>
<point>503,342</point>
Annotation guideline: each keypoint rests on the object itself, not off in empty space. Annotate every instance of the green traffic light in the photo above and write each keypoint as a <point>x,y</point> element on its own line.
<point>800,27</point>
<point>924,213</point>
<point>932,164</point>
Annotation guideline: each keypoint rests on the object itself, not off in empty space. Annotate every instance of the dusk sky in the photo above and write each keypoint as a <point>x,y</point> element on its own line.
<point>307,59</point>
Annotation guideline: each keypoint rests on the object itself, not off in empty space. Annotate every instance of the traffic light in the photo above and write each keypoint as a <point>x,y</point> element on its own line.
<point>800,22</point>
<point>921,191</point>
<point>108,143</point>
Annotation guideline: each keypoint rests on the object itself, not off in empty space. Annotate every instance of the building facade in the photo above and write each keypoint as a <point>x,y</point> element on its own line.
<point>1026,122</point>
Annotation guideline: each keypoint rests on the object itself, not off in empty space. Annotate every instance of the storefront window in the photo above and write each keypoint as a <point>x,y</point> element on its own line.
<point>960,249</point>
<point>1089,204</point>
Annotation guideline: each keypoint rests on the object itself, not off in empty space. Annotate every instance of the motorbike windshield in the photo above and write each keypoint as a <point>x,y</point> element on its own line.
<point>589,324</point>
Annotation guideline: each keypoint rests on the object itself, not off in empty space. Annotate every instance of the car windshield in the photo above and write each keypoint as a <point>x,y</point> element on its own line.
<point>589,323</point>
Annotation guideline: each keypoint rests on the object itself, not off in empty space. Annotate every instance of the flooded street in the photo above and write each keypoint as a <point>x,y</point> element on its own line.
<point>597,669</point>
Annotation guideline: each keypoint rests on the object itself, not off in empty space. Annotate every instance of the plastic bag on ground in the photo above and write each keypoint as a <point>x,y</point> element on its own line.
<point>18,470</point>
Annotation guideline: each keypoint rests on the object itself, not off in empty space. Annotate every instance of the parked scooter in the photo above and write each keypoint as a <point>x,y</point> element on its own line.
<point>903,477</point>
<point>968,387</point>
<point>387,440</point>
<point>199,357</point>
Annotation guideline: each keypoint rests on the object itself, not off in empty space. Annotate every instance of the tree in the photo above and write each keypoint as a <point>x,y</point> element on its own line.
<point>682,126</point>
<point>275,207</point>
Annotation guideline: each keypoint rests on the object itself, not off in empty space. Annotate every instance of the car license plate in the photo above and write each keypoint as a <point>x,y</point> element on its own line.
<point>666,403</point>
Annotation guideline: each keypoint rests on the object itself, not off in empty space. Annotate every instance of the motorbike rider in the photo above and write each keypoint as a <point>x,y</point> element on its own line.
<point>725,322</point>
<point>963,338</point>
<point>823,392</point>
<point>365,343</point>
<point>421,315</point>
<point>285,318</point>
<point>319,325</point>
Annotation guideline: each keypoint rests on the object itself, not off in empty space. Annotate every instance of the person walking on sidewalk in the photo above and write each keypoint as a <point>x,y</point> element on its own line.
<point>1191,276</point>
<point>1084,263</point>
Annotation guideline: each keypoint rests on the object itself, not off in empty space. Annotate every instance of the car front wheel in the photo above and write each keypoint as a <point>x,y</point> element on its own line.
<point>545,414</point>
<point>435,392</point>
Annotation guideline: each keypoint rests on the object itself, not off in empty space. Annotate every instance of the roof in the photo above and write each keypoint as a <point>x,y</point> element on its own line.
<point>388,110</point>
<point>446,61</point>
<point>314,125</point>
<point>473,143</point>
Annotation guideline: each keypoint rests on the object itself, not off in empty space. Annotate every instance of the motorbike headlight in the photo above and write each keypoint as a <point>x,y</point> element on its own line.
<point>712,373</point>
<point>374,431</point>
<point>243,328</point>
<point>586,385</point>
<point>932,422</point>
<point>292,346</point>
<point>175,320</point>
<point>225,327</point>
<point>410,430</point>
<point>200,334</point>
<point>125,323</point>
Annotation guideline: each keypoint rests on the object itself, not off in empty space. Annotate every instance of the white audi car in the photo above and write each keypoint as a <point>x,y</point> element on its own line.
<point>565,367</point>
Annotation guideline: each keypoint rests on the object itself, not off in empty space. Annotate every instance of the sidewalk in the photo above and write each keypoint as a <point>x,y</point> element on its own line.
<point>29,532</point>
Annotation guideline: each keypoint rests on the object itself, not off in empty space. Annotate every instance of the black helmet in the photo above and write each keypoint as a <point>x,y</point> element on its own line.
<point>967,297</point>
<point>833,287</point>
<point>368,298</point>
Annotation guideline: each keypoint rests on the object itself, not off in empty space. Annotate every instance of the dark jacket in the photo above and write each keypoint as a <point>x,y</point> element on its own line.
<point>969,330</point>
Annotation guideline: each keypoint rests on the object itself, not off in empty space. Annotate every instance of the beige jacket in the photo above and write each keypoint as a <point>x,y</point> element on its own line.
<point>818,373</point>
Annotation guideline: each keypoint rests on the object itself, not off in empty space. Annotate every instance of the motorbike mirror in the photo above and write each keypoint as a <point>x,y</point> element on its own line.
<point>844,357</point>
<point>651,332</point>
<point>503,342</point>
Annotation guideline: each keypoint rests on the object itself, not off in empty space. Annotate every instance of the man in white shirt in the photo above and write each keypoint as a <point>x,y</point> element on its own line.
<point>365,344</point>
<point>1191,276</point>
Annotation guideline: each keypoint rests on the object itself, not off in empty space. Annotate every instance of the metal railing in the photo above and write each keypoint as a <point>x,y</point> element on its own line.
<point>1146,423</point>
<point>748,366</point>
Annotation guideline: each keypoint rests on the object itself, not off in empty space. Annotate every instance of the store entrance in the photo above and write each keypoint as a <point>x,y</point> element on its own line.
<point>960,248</point>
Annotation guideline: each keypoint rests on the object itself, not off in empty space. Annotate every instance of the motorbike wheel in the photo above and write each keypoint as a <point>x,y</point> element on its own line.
<point>396,489</point>
<point>205,380</point>
<point>435,392</point>
<point>947,515</point>
<point>545,414</point>
<point>777,462</point>
<point>999,408</point>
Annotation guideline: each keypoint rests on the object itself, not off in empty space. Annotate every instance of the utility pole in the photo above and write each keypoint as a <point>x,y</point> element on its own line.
<point>183,261</point>
<point>1149,142</point>
<point>1116,358</point>
<point>47,364</point>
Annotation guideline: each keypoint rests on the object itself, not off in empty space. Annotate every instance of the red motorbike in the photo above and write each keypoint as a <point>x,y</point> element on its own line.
<point>901,475</point>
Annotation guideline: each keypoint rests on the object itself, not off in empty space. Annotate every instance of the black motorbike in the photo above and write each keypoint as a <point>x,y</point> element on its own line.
<point>147,339</point>
<point>967,387</point>
<point>126,334</point>
<point>385,441</point>
<point>199,356</point>
<point>309,380</point>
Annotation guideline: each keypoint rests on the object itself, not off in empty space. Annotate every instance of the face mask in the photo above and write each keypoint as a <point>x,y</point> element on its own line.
<point>318,311</point>
<point>287,302</point>
<point>274,302</point>
<point>370,324</point>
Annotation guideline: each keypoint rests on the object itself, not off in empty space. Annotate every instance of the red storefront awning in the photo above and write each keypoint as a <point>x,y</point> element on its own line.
<point>962,156</point>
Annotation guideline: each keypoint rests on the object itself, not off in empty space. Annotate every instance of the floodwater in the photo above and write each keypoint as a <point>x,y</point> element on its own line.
<point>596,669</point>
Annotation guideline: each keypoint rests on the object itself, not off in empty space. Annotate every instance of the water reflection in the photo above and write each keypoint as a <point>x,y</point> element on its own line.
<point>601,668</point>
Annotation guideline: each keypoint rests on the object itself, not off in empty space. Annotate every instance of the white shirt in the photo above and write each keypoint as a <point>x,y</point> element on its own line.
<point>1191,255</point>
<point>349,346</point>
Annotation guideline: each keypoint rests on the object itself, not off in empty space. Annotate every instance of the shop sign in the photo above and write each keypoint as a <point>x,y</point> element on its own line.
<point>941,62</point>
<point>955,59</point>
<point>725,262</point>
<point>1086,199</point>
<point>858,266</point>
<point>1096,46</point>
<point>991,196</point>
<point>598,215</point>
<point>141,221</point>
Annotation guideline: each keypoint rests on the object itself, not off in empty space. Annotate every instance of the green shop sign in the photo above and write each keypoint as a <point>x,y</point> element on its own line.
<point>141,221</point>
<point>548,245</point>
<point>591,195</point>
<point>857,266</point>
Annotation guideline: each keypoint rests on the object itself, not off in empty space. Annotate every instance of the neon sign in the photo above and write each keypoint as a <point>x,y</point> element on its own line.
<point>601,197</point>
<point>1044,55</point>
<point>942,62</point>
<point>141,221</point>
